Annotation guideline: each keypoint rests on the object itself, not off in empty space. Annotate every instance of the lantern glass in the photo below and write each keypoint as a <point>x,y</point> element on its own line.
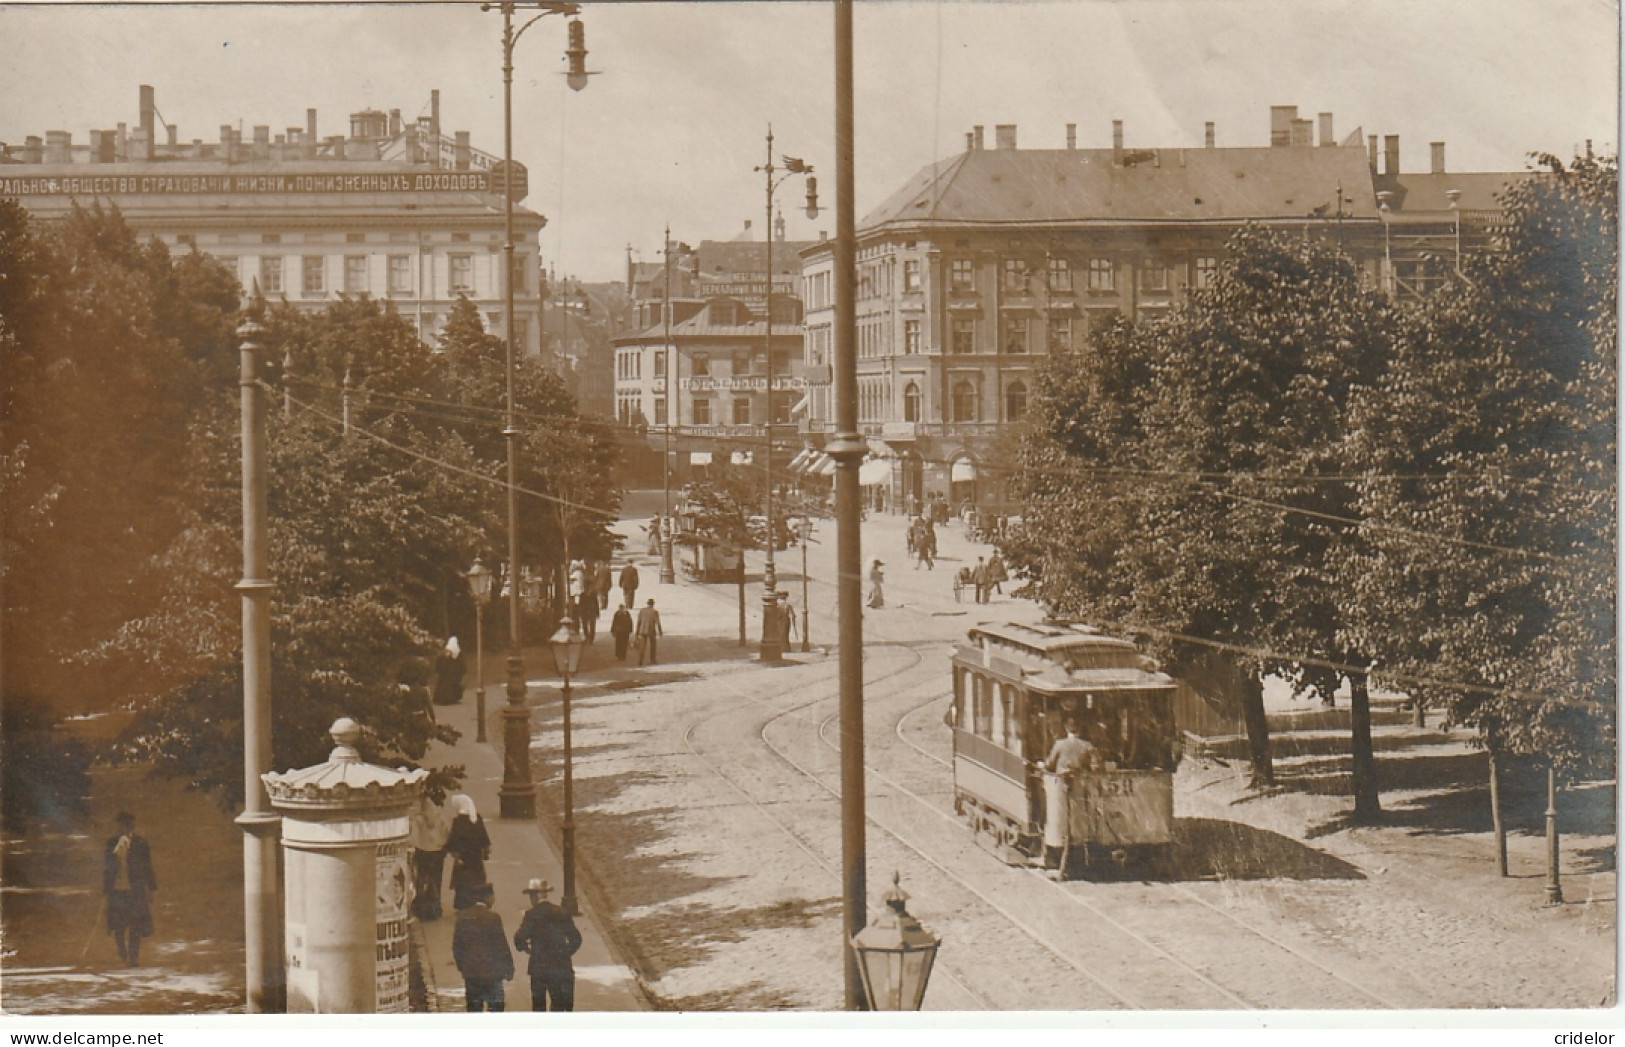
<point>479,581</point>
<point>567,643</point>
<point>895,955</point>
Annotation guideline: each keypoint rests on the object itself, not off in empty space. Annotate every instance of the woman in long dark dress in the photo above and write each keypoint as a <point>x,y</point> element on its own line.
<point>469,846</point>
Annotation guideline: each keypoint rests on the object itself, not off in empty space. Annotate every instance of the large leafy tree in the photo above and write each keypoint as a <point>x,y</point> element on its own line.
<point>1489,455</point>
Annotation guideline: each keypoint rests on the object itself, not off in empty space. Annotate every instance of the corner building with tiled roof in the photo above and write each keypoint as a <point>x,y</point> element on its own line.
<point>983,263</point>
<point>394,209</point>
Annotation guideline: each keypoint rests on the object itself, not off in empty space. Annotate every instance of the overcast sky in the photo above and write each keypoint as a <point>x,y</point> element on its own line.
<point>675,123</point>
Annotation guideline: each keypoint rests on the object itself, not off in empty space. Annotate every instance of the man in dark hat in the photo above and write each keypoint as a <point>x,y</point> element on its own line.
<point>550,936</point>
<point>128,883</point>
<point>480,947</point>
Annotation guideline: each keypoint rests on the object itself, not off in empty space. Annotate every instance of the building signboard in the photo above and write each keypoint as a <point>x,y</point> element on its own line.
<point>246,184</point>
<point>741,383</point>
<point>393,952</point>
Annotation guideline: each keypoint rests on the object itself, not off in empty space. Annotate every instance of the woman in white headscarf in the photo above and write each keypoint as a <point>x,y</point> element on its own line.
<point>469,846</point>
<point>448,674</point>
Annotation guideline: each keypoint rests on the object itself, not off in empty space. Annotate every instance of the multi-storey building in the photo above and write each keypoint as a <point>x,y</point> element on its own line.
<point>709,380</point>
<point>394,209</point>
<point>985,262</point>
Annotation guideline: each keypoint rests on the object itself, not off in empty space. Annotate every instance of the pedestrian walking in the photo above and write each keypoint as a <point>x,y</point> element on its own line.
<point>978,577</point>
<point>551,938</point>
<point>996,574</point>
<point>480,947</point>
<point>587,613</point>
<point>648,632</point>
<point>448,674</point>
<point>128,882</point>
<point>928,546</point>
<point>877,578</point>
<point>469,845</point>
<point>787,619</point>
<point>603,581</point>
<point>426,832</point>
<point>629,584</point>
<point>620,627</point>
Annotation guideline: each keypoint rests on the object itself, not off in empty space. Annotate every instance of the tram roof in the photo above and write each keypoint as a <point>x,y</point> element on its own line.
<point>1064,655</point>
<point>1048,637</point>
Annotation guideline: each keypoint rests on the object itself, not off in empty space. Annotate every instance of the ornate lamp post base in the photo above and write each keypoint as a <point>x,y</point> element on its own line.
<point>518,792</point>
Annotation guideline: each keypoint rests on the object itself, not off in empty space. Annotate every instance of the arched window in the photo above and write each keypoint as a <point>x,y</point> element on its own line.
<point>911,403</point>
<point>965,402</point>
<point>1015,401</point>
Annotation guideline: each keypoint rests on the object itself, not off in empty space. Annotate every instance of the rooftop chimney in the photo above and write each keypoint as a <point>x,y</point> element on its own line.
<point>970,141</point>
<point>977,131</point>
<point>1371,150</point>
<point>1326,130</point>
<point>174,134</point>
<point>310,125</point>
<point>149,120</point>
<point>1303,132</point>
<point>1004,136</point>
<point>1438,157</point>
<point>1390,161</point>
<point>463,152</point>
<point>394,122</point>
<point>140,146</point>
<point>1281,117</point>
<point>1117,142</point>
<point>1210,135</point>
<point>225,143</point>
<point>434,112</point>
<point>58,147</point>
<point>119,137</point>
<point>1071,136</point>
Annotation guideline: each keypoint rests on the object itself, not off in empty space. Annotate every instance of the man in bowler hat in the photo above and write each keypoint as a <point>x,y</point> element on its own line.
<point>551,938</point>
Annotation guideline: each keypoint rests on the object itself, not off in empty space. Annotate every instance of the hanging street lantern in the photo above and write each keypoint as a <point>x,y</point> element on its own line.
<point>895,955</point>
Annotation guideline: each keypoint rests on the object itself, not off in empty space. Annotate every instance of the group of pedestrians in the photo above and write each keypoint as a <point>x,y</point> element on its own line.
<point>479,942</point>
<point>985,579</point>
<point>922,542</point>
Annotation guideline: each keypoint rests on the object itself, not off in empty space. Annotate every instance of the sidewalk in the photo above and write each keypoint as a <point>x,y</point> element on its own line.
<point>519,851</point>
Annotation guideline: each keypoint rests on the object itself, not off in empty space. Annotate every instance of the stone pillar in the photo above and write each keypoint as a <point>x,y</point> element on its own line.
<point>348,880</point>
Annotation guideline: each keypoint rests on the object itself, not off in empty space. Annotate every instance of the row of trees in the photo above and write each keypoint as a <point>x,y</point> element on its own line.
<point>1295,475</point>
<point>121,476</point>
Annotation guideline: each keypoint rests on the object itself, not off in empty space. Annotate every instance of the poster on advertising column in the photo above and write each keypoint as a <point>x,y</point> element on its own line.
<point>391,972</point>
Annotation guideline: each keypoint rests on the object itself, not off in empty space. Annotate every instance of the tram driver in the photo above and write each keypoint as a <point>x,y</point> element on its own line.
<point>1071,754</point>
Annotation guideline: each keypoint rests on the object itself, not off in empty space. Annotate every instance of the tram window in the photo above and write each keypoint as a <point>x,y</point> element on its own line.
<point>959,697</point>
<point>1012,727</point>
<point>983,713</point>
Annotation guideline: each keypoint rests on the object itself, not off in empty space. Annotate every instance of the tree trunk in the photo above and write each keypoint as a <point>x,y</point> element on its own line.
<point>1495,814</point>
<point>743,641</point>
<point>1420,709</point>
<point>1258,728</point>
<point>1367,805</point>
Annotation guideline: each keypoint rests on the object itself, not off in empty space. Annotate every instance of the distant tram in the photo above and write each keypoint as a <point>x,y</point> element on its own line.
<point>1015,687</point>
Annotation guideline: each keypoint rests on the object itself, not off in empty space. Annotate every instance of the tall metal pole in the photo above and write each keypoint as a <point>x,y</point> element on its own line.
<point>518,794</point>
<point>806,603</point>
<point>668,570</point>
<point>1554,885</point>
<point>847,449</point>
<point>772,649</point>
<point>479,668</point>
<point>262,924</point>
<point>569,828</point>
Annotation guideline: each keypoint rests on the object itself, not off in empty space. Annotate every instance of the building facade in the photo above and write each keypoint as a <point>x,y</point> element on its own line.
<point>980,266</point>
<point>393,209</point>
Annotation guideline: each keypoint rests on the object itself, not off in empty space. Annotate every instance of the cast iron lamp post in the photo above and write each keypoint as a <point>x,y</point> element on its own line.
<point>518,794</point>
<point>479,586</point>
<point>668,570</point>
<point>772,648</point>
<point>804,531</point>
<point>567,643</point>
<point>895,955</point>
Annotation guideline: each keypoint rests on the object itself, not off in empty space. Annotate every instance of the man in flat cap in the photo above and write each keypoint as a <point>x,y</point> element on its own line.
<point>550,936</point>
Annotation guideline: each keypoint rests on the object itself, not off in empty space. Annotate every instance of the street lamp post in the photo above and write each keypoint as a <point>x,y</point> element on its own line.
<point>895,954</point>
<point>805,530</point>
<point>518,794</point>
<point>479,586</point>
<point>772,648</point>
<point>668,570</point>
<point>567,643</point>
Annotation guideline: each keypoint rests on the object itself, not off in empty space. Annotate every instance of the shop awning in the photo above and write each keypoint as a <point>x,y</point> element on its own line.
<point>741,458</point>
<point>874,471</point>
<point>699,458</point>
<point>963,469</point>
<point>802,460</point>
<point>825,466</point>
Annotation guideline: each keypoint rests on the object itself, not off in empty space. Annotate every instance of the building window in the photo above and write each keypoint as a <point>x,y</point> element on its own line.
<point>1207,271</point>
<point>911,402</point>
<point>741,364</point>
<point>911,336</point>
<point>1060,334</point>
<point>355,238</point>
<point>964,402</point>
<point>400,274</point>
<point>355,274</point>
<point>462,273</point>
<point>1015,275</point>
<point>660,410</point>
<point>701,363</point>
<point>702,411</point>
<point>270,238</point>
<point>271,275</point>
<point>742,410</point>
<point>911,274</point>
<point>1101,275</point>
<point>521,266</point>
<point>1154,276</point>
<point>964,340</point>
<point>1015,401</point>
<point>964,275</point>
<point>1060,275</point>
<point>521,333</point>
<point>660,364</point>
<point>1015,334</point>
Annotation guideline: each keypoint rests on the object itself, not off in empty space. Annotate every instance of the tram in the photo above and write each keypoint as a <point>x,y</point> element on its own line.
<point>1015,689</point>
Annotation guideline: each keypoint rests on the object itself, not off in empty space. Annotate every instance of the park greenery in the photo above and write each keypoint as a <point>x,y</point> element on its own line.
<point>1293,474</point>
<point>121,458</point>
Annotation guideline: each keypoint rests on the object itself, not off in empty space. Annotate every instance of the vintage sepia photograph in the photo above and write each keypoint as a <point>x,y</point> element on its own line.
<point>645,508</point>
